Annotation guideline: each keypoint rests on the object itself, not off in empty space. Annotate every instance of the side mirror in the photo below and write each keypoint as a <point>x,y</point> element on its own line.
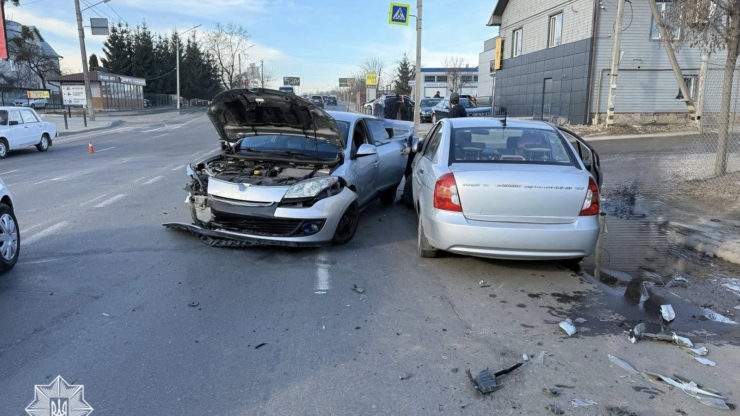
<point>366,150</point>
<point>415,144</point>
<point>13,122</point>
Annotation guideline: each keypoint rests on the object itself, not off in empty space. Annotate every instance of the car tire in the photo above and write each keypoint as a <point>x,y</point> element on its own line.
<point>33,106</point>
<point>408,193</point>
<point>422,245</point>
<point>11,244</point>
<point>573,264</point>
<point>3,148</point>
<point>347,226</point>
<point>44,143</point>
<point>388,196</point>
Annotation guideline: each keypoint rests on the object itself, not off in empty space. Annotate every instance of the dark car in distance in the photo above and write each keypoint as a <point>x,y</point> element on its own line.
<point>317,100</point>
<point>425,108</point>
<point>332,100</point>
<point>442,109</point>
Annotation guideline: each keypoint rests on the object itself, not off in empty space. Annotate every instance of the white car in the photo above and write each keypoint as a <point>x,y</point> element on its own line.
<point>30,102</point>
<point>10,237</point>
<point>22,127</point>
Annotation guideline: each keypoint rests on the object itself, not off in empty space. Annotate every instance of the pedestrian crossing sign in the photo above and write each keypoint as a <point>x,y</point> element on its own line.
<point>399,14</point>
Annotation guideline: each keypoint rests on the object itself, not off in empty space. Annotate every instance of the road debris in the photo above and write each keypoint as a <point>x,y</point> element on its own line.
<point>636,332</point>
<point>357,289</point>
<point>363,297</point>
<point>486,381</point>
<point>699,351</point>
<point>667,312</point>
<point>579,320</point>
<point>676,339</point>
<point>705,361</point>
<point>618,411</point>
<point>568,327</point>
<point>715,403</point>
<point>405,376</point>
<point>582,403</point>
<point>554,409</point>
<point>525,357</point>
<point>193,304</point>
<point>704,395</point>
<point>540,357</point>
<point>260,345</point>
<point>105,314</point>
<point>551,392</point>
<point>483,284</point>
<point>623,364</point>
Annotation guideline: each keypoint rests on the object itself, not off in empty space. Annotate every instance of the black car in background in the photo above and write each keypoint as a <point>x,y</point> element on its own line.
<point>442,109</point>
<point>317,100</point>
<point>425,108</point>
<point>332,100</point>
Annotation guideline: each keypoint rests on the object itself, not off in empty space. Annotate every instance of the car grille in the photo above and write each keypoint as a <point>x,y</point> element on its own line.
<point>274,227</point>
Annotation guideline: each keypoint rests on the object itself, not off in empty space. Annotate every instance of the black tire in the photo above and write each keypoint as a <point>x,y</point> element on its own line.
<point>423,247</point>
<point>3,148</point>
<point>408,193</point>
<point>388,196</point>
<point>573,264</point>
<point>8,254</point>
<point>347,226</point>
<point>44,143</point>
<point>33,106</point>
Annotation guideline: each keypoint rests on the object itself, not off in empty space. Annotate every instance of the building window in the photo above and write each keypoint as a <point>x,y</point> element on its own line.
<point>475,78</point>
<point>555,33</point>
<point>690,83</point>
<point>441,78</point>
<point>663,7</point>
<point>516,45</point>
<point>466,78</point>
<point>428,78</point>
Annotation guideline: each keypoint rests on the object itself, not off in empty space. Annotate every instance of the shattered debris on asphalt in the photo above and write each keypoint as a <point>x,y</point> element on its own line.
<point>667,313</point>
<point>193,304</point>
<point>486,382</point>
<point>568,327</point>
<point>579,320</point>
<point>705,361</point>
<point>623,364</point>
<point>618,411</point>
<point>405,376</point>
<point>699,351</point>
<point>554,409</point>
<point>357,289</point>
<point>551,392</point>
<point>582,403</point>
<point>703,395</point>
<point>541,357</point>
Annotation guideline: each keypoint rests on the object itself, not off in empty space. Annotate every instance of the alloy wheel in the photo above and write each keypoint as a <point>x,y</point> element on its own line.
<point>8,237</point>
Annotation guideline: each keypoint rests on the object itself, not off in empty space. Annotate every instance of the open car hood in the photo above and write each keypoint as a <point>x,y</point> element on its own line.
<point>241,113</point>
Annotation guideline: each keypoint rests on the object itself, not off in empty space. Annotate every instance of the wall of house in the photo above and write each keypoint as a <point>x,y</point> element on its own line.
<point>485,80</point>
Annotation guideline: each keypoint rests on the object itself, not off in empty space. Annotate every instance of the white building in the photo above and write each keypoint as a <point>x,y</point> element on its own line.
<point>438,80</point>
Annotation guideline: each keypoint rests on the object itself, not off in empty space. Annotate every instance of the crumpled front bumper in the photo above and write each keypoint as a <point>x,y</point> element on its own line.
<point>223,238</point>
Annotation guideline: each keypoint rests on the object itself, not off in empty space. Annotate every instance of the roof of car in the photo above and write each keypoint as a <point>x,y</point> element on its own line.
<point>8,108</point>
<point>497,122</point>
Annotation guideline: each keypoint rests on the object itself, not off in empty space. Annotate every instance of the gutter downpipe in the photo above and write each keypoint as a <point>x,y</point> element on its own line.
<point>594,32</point>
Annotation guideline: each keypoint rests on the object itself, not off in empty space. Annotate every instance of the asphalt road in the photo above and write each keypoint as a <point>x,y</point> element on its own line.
<point>101,295</point>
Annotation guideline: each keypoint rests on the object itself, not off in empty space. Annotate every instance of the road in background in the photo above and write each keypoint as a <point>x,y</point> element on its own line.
<point>153,321</point>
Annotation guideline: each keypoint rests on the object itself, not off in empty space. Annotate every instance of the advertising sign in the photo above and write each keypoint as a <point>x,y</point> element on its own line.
<point>3,40</point>
<point>499,52</point>
<point>74,95</point>
<point>38,94</point>
<point>371,79</point>
<point>343,82</point>
<point>292,81</point>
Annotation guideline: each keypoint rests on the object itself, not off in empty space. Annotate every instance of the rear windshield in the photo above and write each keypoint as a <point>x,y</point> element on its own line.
<point>509,145</point>
<point>316,97</point>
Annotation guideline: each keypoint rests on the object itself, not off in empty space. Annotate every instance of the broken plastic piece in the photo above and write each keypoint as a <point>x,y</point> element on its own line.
<point>405,376</point>
<point>623,364</point>
<point>525,357</point>
<point>358,289</point>
<point>582,403</point>
<point>699,351</point>
<point>260,345</point>
<point>551,392</point>
<point>668,313</point>
<point>554,409</point>
<point>689,387</point>
<point>683,341</point>
<point>568,327</point>
<point>483,284</point>
<point>705,361</point>
<point>637,332</point>
<point>193,304</point>
<point>618,411</point>
<point>715,403</point>
<point>580,320</point>
<point>486,381</point>
<point>105,314</point>
<point>540,357</point>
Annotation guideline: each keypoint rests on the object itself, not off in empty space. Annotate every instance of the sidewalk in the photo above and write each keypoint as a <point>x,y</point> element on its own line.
<point>77,125</point>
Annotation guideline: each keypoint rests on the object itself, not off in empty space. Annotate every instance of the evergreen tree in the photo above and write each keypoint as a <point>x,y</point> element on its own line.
<point>142,58</point>
<point>117,50</point>
<point>404,73</point>
<point>93,63</point>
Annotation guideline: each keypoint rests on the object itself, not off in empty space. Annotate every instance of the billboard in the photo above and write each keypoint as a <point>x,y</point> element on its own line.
<point>3,38</point>
<point>371,79</point>
<point>74,95</point>
<point>292,81</point>
<point>38,94</point>
<point>344,82</point>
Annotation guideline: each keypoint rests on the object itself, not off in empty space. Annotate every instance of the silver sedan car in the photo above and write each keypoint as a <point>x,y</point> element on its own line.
<point>505,189</point>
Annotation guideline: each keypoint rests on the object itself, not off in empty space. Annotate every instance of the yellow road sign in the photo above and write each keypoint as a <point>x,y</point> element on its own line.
<point>371,79</point>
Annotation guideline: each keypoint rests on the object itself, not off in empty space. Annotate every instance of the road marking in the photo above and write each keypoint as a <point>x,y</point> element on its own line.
<point>110,201</point>
<point>140,179</point>
<point>152,180</point>
<point>27,229</point>
<point>179,168</point>
<point>92,200</point>
<point>103,150</point>
<point>323,278</point>
<point>50,180</point>
<point>10,171</point>
<point>43,233</point>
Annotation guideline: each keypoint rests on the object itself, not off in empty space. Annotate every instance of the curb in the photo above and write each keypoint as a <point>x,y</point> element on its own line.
<point>113,123</point>
<point>727,251</point>
<point>641,136</point>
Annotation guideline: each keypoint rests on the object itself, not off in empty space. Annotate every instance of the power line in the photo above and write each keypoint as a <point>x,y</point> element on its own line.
<point>93,10</point>
<point>30,2</point>
<point>114,11</point>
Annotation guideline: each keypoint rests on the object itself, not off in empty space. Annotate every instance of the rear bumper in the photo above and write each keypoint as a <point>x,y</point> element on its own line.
<point>451,231</point>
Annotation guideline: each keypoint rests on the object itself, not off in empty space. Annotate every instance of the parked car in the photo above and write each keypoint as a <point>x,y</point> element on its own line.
<point>22,127</point>
<point>425,108</point>
<point>332,100</point>
<point>506,189</point>
<point>10,236</point>
<point>30,102</point>
<point>369,105</point>
<point>147,103</point>
<point>442,109</point>
<point>317,101</point>
<point>386,98</point>
<point>290,173</point>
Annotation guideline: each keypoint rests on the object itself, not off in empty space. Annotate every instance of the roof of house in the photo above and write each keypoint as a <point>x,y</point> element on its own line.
<point>498,12</point>
<point>13,30</point>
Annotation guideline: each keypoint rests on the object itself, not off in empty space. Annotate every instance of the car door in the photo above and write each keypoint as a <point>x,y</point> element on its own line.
<point>392,162</point>
<point>586,153</point>
<point>366,167</point>
<point>442,110</point>
<point>33,127</point>
<point>18,131</point>
<point>422,171</point>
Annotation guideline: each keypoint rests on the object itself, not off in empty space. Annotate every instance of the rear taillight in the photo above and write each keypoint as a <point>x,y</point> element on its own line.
<point>445,194</point>
<point>591,203</point>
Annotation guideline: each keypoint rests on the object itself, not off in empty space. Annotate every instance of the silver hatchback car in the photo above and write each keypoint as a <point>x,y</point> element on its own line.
<point>506,189</point>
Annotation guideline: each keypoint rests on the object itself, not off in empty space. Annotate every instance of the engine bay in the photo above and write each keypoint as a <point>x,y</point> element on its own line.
<point>261,173</point>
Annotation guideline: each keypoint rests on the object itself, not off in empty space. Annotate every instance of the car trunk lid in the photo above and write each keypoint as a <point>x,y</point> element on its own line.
<point>507,192</point>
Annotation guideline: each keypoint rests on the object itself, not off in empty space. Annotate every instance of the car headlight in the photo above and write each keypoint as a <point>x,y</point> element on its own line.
<point>311,188</point>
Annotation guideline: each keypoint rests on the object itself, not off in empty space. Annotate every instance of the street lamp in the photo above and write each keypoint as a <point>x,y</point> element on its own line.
<point>177,53</point>
<point>83,52</point>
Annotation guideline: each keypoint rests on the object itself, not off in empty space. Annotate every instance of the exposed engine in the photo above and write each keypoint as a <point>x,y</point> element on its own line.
<point>240,170</point>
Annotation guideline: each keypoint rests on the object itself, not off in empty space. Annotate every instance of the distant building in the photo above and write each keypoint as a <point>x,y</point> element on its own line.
<point>437,79</point>
<point>109,91</point>
<point>17,74</point>
<point>556,56</point>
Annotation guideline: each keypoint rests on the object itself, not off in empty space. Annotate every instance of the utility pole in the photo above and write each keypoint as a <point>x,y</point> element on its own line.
<point>672,58</point>
<point>241,76</point>
<point>85,75</point>
<point>702,86</point>
<point>262,72</point>
<point>177,53</point>
<point>615,64</point>
<point>417,81</point>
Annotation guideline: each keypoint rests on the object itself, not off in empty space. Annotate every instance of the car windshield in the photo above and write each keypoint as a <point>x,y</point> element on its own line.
<point>509,145</point>
<point>3,118</point>
<point>298,147</point>
<point>430,102</point>
<point>316,97</point>
<point>344,128</point>
<point>466,103</point>
<point>286,89</point>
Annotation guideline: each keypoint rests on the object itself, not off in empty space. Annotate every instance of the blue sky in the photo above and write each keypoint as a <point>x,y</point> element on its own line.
<point>319,40</point>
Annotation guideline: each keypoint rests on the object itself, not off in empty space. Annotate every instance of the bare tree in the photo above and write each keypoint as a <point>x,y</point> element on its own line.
<point>712,25</point>
<point>456,77</point>
<point>25,49</point>
<point>226,44</point>
<point>268,77</point>
<point>373,66</point>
